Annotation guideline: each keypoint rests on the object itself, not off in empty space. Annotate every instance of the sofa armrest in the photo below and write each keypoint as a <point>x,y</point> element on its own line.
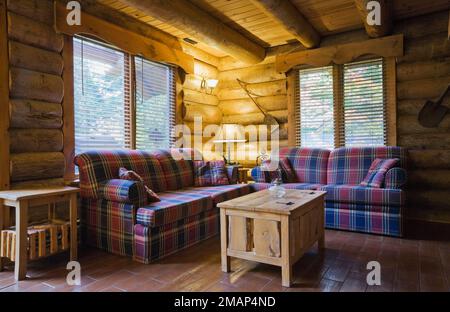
<point>232,173</point>
<point>395,178</point>
<point>124,191</point>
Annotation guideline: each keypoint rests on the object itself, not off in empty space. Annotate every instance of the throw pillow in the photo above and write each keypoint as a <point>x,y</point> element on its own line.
<point>130,175</point>
<point>377,172</point>
<point>287,173</point>
<point>202,173</point>
<point>219,174</point>
<point>210,173</point>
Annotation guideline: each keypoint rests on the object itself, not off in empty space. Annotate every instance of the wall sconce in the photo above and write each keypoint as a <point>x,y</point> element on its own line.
<point>208,85</point>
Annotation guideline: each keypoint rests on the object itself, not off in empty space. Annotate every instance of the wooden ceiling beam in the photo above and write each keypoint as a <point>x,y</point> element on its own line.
<point>287,14</point>
<point>386,12</point>
<point>201,26</point>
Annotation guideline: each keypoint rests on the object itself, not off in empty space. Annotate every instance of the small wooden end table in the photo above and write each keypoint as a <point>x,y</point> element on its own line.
<point>243,175</point>
<point>261,228</point>
<point>22,201</point>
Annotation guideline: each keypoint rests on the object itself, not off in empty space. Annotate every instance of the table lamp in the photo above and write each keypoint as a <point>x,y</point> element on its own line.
<point>230,133</point>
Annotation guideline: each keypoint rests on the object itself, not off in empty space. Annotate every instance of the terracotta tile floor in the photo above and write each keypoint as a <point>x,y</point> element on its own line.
<point>406,265</point>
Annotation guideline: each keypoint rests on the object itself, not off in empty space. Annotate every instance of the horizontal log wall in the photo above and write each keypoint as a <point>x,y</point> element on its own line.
<point>271,90</point>
<point>423,73</point>
<point>197,102</point>
<point>36,94</point>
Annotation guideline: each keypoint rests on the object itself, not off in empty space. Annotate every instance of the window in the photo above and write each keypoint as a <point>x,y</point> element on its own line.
<point>364,113</point>
<point>99,97</point>
<point>316,110</point>
<point>155,105</point>
<point>105,114</point>
<point>342,105</point>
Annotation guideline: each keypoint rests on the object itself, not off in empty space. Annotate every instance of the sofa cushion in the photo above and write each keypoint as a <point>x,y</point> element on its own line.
<point>173,206</point>
<point>288,174</point>
<point>223,192</point>
<point>99,166</point>
<point>395,178</point>
<point>130,175</point>
<point>309,164</point>
<point>177,168</point>
<point>124,191</point>
<point>363,195</point>
<point>349,165</point>
<point>377,172</point>
<point>290,186</point>
<point>210,173</point>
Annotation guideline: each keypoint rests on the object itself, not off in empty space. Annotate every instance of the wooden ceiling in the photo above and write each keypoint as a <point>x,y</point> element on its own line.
<point>326,16</point>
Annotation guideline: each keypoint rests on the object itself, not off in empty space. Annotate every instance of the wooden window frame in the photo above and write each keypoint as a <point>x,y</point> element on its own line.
<point>389,80</point>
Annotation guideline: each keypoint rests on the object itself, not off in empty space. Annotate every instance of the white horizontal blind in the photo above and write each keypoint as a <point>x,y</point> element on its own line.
<point>155,105</point>
<point>316,108</point>
<point>364,121</point>
<point>100,94</point>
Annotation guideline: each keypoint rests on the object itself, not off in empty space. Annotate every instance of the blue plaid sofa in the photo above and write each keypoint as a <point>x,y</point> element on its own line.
<point>339,172</point>
<point>116,216</point>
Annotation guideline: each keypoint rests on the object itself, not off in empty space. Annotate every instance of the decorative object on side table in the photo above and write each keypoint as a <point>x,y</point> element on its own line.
<point>22,242</point>
<point>276,189</point>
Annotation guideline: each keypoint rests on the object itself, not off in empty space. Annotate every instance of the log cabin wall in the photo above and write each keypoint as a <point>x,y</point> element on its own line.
<point>36,94</point>
<point>198,102</point>
<point>238,108</point>
<point>423,73</point>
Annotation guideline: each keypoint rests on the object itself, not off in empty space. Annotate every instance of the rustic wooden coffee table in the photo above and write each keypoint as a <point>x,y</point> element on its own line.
<point>259,227</point>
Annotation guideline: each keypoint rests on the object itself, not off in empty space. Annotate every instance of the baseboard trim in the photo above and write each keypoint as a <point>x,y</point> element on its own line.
<point>427,230</point>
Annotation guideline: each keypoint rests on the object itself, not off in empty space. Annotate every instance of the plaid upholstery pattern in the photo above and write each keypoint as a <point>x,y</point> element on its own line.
<point>232,173</point>
<point>290,186</point>
<point>349,165</point>
<point>202,173</point>
<point>208,173</point>
<point>219,174</point>
<point>97,167</point>
<point>108,225</point>
<point>261,175</point>
<point>124,191</point>
<point>385,209</point>
<point>377,172</point>
<point>364,221</point>
<point>364,195</point>
<point>309,164</point>
<point>223,192</point>
<point>395,178</point>
<point>178,172</point>
<point>287,173</point>
<point>173,206</point>
<point>155,243</point>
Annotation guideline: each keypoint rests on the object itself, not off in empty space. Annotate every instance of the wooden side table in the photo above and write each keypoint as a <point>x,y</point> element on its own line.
<point>22,201</point>
<point>243,175</point>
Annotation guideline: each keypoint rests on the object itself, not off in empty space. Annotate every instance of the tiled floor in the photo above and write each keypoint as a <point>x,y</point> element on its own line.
<point>406,265</point>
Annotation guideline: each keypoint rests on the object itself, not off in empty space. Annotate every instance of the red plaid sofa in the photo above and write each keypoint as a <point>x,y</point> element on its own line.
<point>116,216</point>
<point>339,172</point>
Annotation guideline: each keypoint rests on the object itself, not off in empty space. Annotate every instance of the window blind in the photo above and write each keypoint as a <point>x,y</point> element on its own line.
<point>316,108</point>
<point>155,104</point>
<point>99,96</point>
<point>364,122</point>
